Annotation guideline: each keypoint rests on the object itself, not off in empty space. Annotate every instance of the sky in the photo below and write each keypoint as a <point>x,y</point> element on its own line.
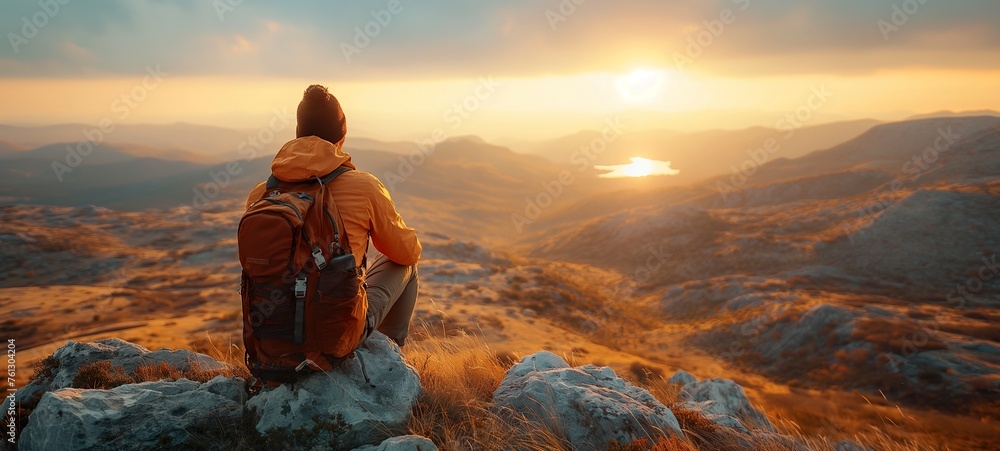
<point>516,69</point>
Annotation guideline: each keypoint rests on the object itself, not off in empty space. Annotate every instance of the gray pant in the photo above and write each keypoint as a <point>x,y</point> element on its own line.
<point>392,293</point>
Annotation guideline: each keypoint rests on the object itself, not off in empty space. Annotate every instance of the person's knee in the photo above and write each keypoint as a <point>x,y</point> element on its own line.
<point>397,334</point>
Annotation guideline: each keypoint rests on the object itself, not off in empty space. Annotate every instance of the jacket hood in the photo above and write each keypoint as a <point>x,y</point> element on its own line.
<point>304,158</point>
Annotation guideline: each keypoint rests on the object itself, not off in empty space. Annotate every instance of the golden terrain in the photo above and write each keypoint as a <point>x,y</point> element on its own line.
<point>168,278</point>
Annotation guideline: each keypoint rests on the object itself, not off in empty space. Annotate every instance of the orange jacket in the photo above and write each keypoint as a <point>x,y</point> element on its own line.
<point>363,201</point>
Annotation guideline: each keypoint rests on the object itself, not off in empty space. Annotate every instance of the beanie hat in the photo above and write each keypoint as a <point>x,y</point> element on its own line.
<point>319,114</point>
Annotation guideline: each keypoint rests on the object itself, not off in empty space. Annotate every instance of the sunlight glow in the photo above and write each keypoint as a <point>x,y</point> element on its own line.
<point>639,167</point>
<point>641,85</point>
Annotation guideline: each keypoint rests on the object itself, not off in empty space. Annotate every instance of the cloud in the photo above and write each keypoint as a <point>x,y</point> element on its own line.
<point>435,38</point>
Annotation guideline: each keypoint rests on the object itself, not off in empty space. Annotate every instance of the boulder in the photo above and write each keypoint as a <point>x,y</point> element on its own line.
<point>127,356</point>
<point>591,405</point>
<point>723,402</point>
<point>848,445</point>
<point>402,443</point>
<point>137,416</point>
<point>338,408</point>
<point>682,378</point>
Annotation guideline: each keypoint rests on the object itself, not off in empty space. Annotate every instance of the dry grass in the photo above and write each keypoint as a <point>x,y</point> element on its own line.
<point>703,435</point>
<point>456,411</point>
<point>580,305</point>
<point>877,439</point>
<point>233,356</point>
<point>103,375</point>
<point>664,444</point>
<point>459,376</point>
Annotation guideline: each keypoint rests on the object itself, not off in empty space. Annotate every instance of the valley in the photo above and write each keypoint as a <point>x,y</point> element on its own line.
<point>846,304</point>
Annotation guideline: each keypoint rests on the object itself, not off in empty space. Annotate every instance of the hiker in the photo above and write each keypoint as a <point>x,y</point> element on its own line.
<point>302,317</point>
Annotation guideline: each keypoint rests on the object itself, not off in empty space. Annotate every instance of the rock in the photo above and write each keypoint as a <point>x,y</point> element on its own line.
<point>90,211</point>
<point>402,443</point>
<point>847,445</point>
<point>723,402</point>
<point>337,408</point>
<point>591,404</point>
<point>122,354</point>
<point>682,378</point>
<point>137,416</point>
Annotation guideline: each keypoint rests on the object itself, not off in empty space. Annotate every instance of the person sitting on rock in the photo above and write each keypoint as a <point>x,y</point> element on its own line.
<point>364,204</point>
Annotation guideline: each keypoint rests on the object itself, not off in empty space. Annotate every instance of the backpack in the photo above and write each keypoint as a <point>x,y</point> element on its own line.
<point>304,303</point>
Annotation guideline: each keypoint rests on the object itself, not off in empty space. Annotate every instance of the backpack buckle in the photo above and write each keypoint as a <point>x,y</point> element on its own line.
<point>318,257</point>
<point>300,286</point>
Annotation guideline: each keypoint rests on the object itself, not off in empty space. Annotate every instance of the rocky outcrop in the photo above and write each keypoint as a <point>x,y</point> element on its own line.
<point>143,416</point>
<point>591,405</point>
<point>67,361</point>
<point>681,377</point>
<point>848,445</point>
<point>338,407</point>
<point>721,401</point>
<point>586,406</point>
<point>335,409</point>
<point>402,443</point>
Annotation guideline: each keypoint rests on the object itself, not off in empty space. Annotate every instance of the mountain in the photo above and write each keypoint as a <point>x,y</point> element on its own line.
<point>822,195</point>
<point>463,186</point>
<point>207,141</point>
<point>9,148</point>
<point>396,147</point>
<point>902,148</point>
<point>197,139</point>
<point>696,155</point>
<point>471,189</point>
<point>837,264</point>
<point>940,114</point>
<point>104,153</point>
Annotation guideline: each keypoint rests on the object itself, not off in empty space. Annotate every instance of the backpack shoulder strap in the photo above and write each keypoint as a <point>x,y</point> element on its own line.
<point>342,241</point>
<point>272,183</point>
<point>336,172</point>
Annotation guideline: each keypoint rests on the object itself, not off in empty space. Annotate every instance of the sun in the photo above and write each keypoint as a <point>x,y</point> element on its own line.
<point>641,85</point>
<point>640,167</point>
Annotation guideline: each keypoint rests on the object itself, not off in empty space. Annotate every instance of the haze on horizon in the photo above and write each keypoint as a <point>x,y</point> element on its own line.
<point>518,70</point>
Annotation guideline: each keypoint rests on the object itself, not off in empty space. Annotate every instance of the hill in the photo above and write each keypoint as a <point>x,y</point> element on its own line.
<point>702,154</point>
<point>197,139</point>
<point>814,266</point>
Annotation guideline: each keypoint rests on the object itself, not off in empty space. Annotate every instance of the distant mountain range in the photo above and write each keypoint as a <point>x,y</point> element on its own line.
<point>937,114</point>
<point>198,139</point>
<point>162,166</point>
<point>703,154</point>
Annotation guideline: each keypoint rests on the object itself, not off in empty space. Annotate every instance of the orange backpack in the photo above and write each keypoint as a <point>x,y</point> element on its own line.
<point>304,304</point>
